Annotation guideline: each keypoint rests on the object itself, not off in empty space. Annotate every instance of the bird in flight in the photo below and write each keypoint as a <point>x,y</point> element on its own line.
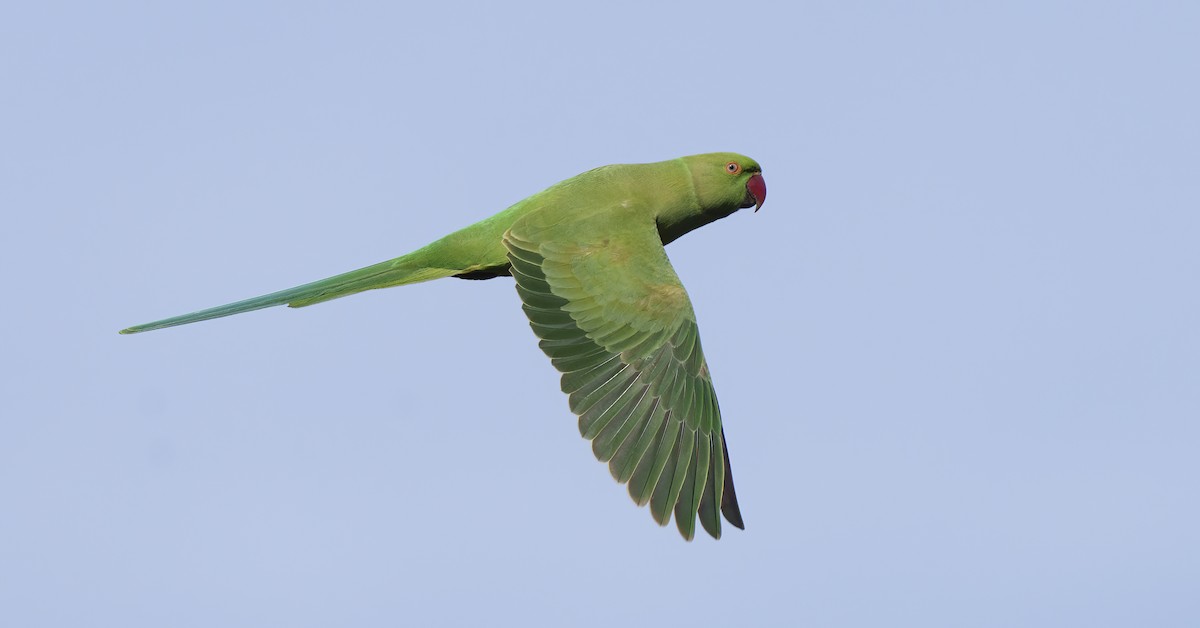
<point>594,279</point>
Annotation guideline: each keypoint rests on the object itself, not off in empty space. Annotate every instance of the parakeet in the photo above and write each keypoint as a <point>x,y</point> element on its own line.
<point>594,279</point>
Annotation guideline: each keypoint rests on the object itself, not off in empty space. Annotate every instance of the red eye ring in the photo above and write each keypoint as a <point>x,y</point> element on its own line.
<point>733,167</point>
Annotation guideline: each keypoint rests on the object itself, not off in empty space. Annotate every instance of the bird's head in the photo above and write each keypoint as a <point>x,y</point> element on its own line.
<point>726,182</point>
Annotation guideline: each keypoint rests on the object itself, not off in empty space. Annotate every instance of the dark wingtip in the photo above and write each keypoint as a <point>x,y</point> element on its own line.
<point>730,509</point>
<point>729,504</point>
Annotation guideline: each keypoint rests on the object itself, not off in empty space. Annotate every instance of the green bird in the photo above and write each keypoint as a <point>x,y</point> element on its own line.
<point>594,279</point>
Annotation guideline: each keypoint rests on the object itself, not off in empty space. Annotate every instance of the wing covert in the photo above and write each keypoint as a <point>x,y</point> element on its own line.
<point>613,317</point>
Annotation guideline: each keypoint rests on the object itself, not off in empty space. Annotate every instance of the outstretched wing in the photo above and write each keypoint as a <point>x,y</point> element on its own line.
<point>614,318</point>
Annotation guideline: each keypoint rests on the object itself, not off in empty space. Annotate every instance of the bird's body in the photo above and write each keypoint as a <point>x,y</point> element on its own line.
<point>587,255</point>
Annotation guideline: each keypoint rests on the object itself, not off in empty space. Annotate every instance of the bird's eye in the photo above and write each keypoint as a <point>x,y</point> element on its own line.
<point>733,167</point>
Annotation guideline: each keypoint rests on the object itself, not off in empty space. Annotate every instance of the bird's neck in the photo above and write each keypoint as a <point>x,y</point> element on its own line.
<point>680,209</point>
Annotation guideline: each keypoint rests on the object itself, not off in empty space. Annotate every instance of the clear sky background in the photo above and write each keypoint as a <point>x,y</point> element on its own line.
<point>957,351</point>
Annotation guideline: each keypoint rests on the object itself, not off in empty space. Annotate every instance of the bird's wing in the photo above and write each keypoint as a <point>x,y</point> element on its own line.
<point>614,318</point>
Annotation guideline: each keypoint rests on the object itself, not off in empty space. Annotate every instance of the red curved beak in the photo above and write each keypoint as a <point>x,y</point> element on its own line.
<point>758,189</point>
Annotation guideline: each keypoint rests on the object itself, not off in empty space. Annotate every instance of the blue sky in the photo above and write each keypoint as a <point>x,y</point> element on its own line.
<point>956,352</point>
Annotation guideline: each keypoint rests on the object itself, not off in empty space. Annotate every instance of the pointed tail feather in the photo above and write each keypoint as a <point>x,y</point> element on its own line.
<point>396,272</point>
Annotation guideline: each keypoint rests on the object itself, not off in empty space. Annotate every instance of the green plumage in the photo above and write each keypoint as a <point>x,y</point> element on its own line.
<point>593,277</point>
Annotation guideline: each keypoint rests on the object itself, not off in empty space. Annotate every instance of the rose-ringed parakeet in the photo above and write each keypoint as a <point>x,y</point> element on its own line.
<point>593,277</point>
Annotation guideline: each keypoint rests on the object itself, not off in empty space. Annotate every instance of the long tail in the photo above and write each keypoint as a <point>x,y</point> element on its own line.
<point>396,272</point>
